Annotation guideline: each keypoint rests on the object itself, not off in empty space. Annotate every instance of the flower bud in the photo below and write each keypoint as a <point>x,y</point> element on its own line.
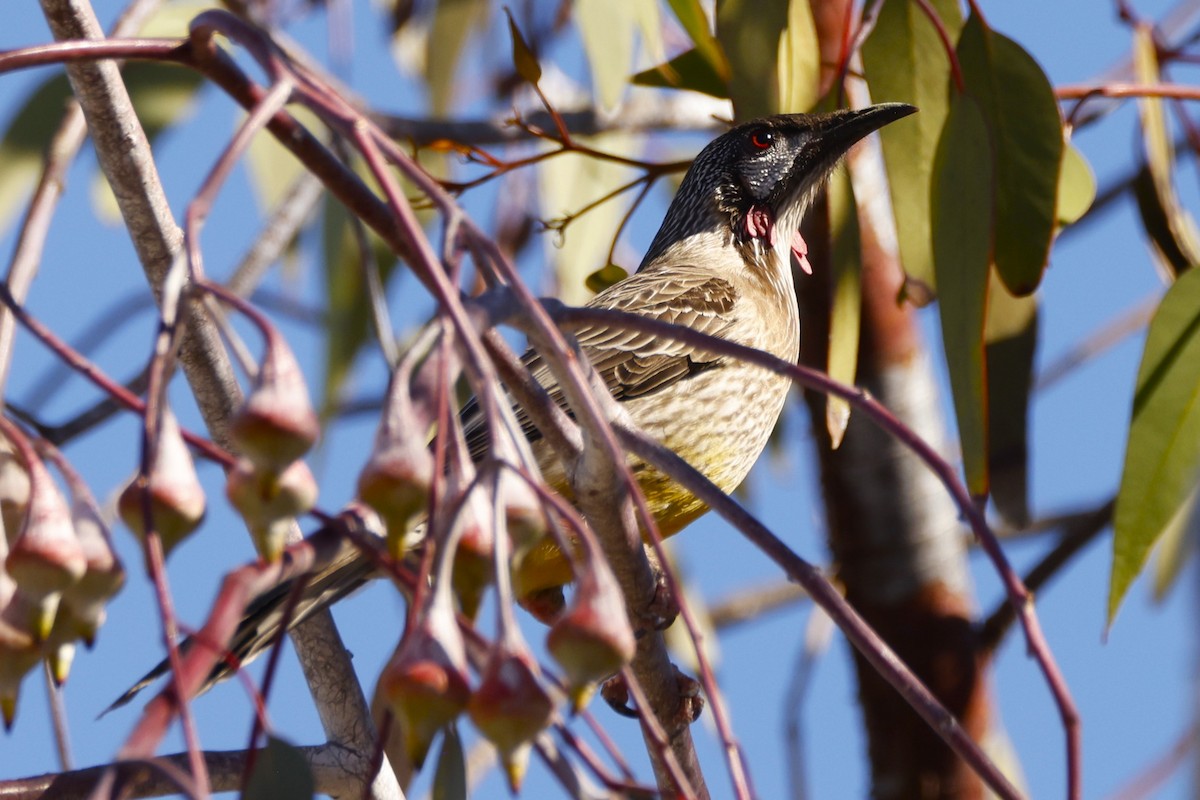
<point>83,602</point>
<point>268,501</point>
<point>276,425</point>
<point>18,655</point>
<point>523,513</point>
<point>425,685</point>
<point>14,490</point>
<point>176,498</point>
<point>592,639</point>
<point>510,707</point>
<point>395,482</point>
<point>474,560</point>
<point>46,557</point>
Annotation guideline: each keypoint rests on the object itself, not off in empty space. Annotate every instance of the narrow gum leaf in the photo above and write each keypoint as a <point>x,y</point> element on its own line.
<point>280,773</point>
<point>607,28</point>
<point>962,219</point>
<point>524,60</point>
<point>1163,452</point>
<point>689,70</point>
<point>744,27</point>
<point>24,143</point>
<point>1011,335</point>
<point>691,16</point>
<point>905,61</point>
<point>1025,129</point>
<point>450,776</point>
<point>798,60</point>
<point>1174,548</point>
<point>452,25</point>
<point>1171,228</point>
<point>846,313</point>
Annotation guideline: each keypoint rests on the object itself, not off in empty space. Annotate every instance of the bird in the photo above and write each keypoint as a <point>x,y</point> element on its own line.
<point>721,264</point>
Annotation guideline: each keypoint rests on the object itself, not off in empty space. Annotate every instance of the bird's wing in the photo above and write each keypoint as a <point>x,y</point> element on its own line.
<point>632,363</point>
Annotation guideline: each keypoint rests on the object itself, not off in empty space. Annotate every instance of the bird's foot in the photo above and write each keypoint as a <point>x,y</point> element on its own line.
<point>691,700</point>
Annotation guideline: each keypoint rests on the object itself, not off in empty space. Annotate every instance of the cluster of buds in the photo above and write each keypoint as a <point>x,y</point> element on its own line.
<point>59,569</point>
<point>275,427</point>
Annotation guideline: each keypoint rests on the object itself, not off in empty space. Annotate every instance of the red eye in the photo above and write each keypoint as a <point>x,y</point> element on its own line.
<point>762,139</point>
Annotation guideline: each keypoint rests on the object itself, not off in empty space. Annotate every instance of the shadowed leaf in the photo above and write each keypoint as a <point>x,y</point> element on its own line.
<point>450,777</point>
<point>688,70</point>
<point>280,773</point>
<point>905,61</point>
<point>1010,334</point>
<point>749,33</point>
<point>606,27</point>
<point>24,143</point>
<point>606,276</point>
<point>962,219</point>
<point>524,60</point>
<point>1164,436</point>
<point>1025,129</point>
<point>453,21</point>
<point>695,23</point>
<point>1170,227</point>
<point>799,60</point>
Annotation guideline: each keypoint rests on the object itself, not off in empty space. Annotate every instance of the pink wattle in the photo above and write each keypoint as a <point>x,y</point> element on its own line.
<point>800,251</point>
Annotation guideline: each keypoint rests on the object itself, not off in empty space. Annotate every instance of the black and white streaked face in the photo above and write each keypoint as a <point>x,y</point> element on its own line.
<point>763,175</point>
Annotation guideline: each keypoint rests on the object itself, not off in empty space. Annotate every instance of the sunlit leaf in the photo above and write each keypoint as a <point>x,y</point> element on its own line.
<point>695,23</point>
<point>1011,335</point>
<point>845,315</point>
<point>450,777</point>
<point>567,184</point>
<point>280,773</point>
<point>749,31</point>
<point>174,18</point>
<point>962,230</point>
<point>1076,187</point>
<point>1175,548</point>
<point>688,70</point>
<point>905,61</point>
<point>606,27</point>
<point>1022,117</point>
<point>453,21</point>
<point>799,60</point>
<point>1163,452</point>
<point>524,60</point>
<point>1170,227</point>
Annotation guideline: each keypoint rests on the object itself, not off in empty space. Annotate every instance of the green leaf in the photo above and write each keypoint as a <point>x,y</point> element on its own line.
<point>606,276</point>
<point>749,31</point>
<point>1163,452</point>
<point>1010,335</point>
<point>280,773</point>
<point>349,313</point>
<point>1076,187</point>
<point>1170,227</point>
<point>453,21</point>
<point>962,231</point>
<point>524,60</point>
<point>272,168</point>
<point>606,27</point>
<point>1174,548</point>
<point>688,70</point>
<point>799,60</point>
<point>905,61</point>
<point>1025,129</point>
<point>695,23</point>
<point>845,316</point>
<point>568,183</point>
<point>24,143</point>
<point>450,777</point>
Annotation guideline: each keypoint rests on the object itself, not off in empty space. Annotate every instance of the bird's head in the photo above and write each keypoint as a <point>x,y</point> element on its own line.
<point>752,185</point>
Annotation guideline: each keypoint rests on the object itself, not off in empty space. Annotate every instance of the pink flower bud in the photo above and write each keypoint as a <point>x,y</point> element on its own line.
<point>18,655</point>
<point>177,501</point>
<point>276,425</point>
<point>268,501</point>
<point>474,560</point>
<point>425,685</point>
<point>46,557</point>
<point>83,602</point>
<point>510,707</point>
<point>14,490</point>
<point>395,482</point>
<point>592,639</point>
